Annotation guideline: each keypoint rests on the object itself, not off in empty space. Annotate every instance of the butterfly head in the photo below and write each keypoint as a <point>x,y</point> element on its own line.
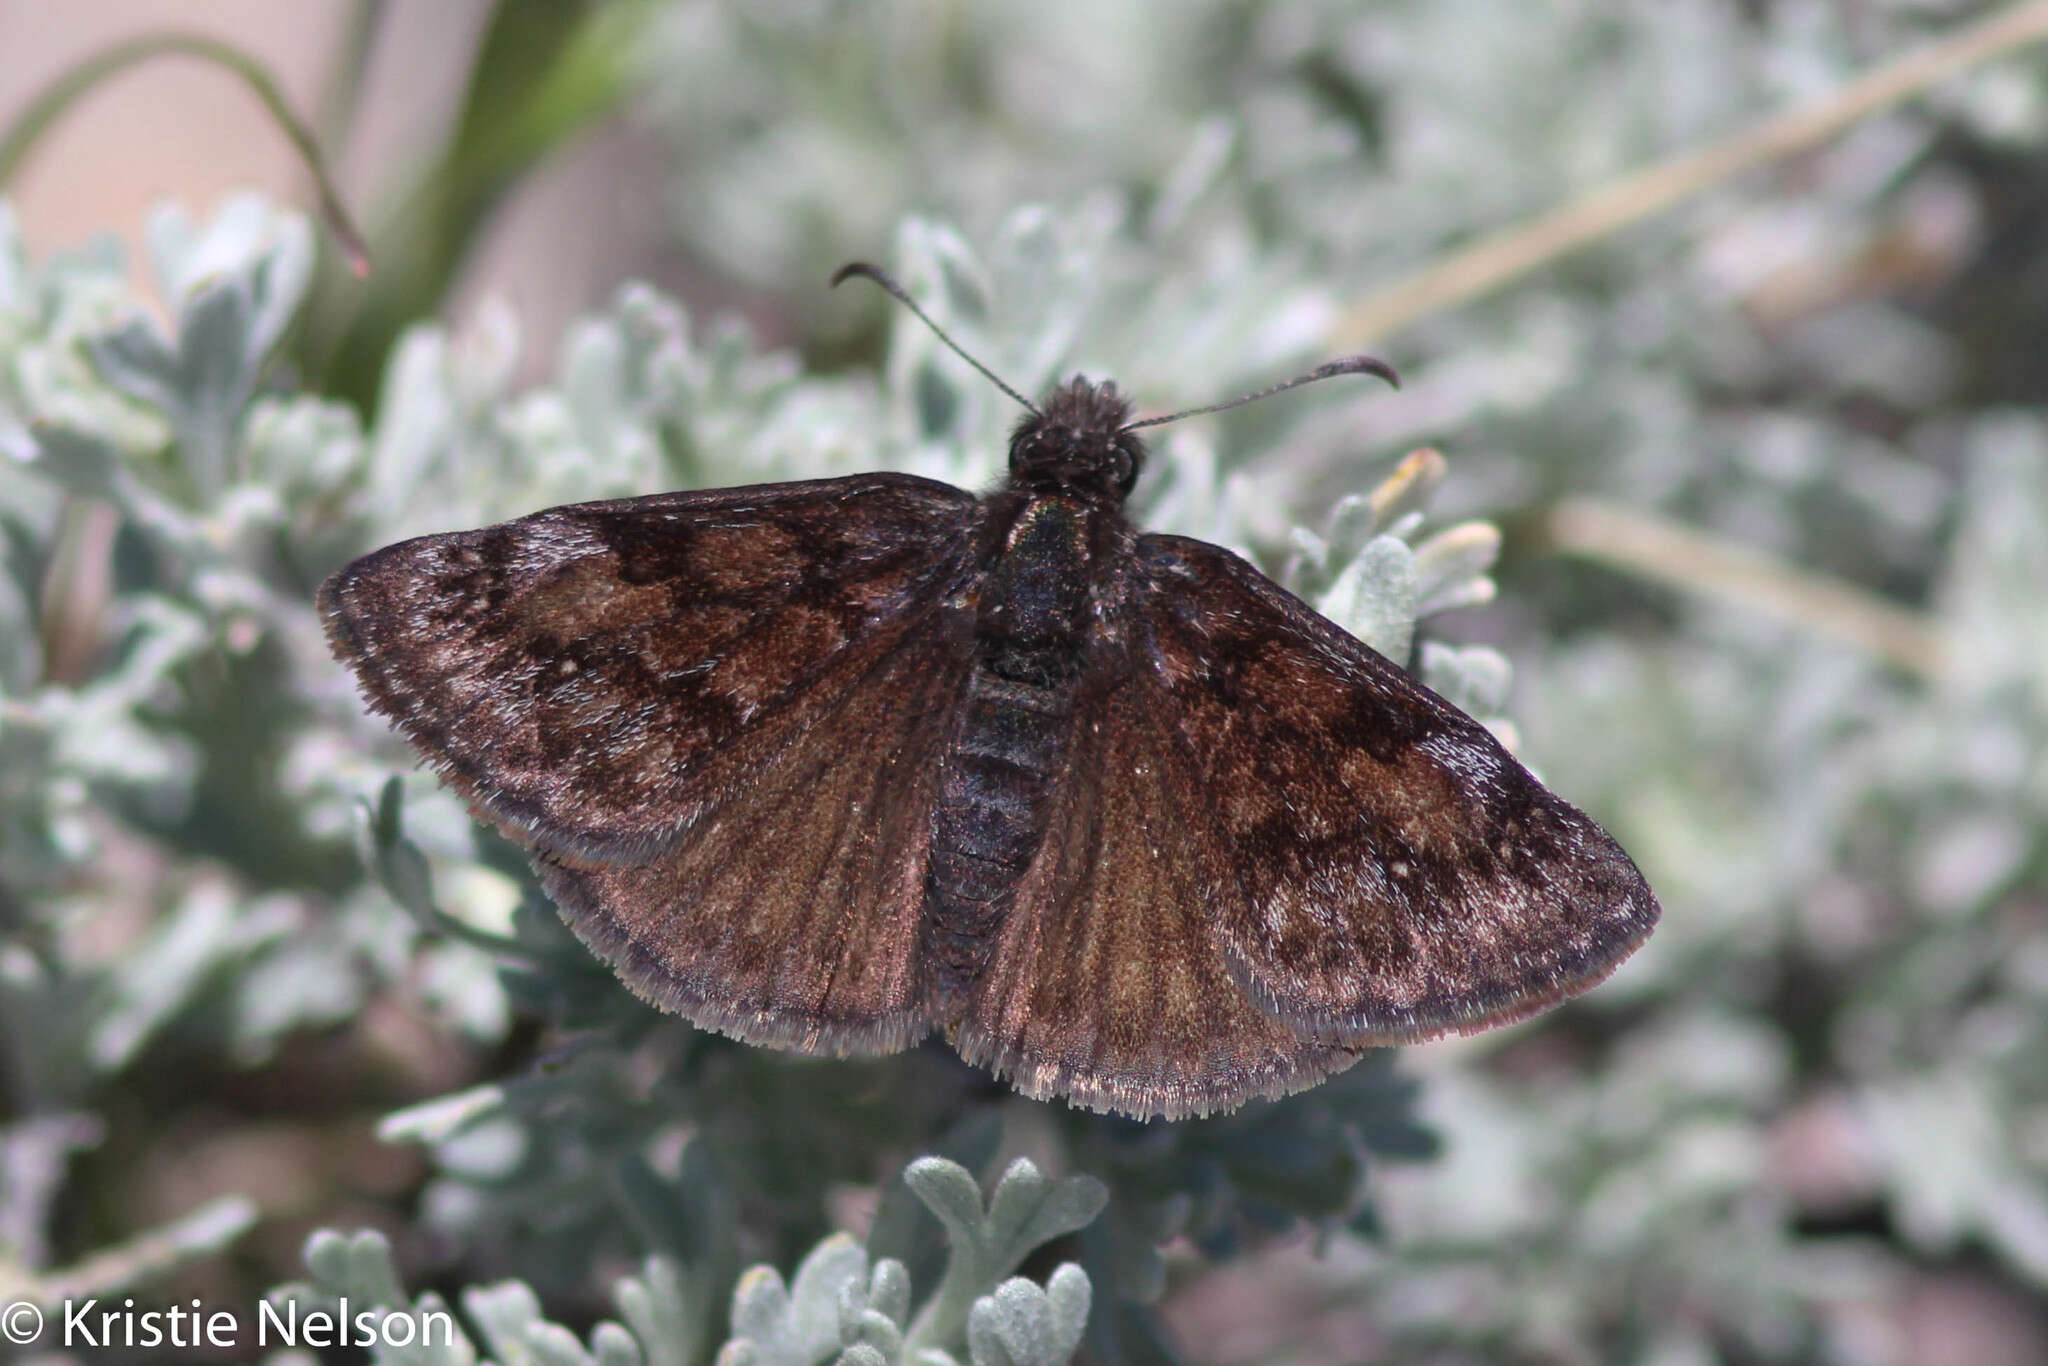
<point>1082,440</point>
<point>1077,442</point>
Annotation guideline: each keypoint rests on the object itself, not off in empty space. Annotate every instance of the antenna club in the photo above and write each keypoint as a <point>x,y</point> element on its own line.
<point>1347,365</point>
<point>1367,365</point>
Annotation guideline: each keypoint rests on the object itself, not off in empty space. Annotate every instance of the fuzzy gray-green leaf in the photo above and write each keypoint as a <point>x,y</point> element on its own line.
<point>1374,596</point>
<point>949,1191</point>
<point>1450,568</point>
<point>662,1305</point>
<point>1020,1324</point>
<point>1026,1211</point>
<point>797,1324</point>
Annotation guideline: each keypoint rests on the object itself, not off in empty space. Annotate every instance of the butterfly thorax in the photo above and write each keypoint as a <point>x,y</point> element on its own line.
<point>1034,612</point>
<point>1076,444</point>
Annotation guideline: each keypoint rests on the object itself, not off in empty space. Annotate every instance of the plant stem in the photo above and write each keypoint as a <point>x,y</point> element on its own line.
<point>1505,256</point>
<point>1658,549</point>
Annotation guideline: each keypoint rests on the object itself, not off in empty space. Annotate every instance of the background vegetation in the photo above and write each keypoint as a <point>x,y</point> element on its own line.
<point>1766,475</point>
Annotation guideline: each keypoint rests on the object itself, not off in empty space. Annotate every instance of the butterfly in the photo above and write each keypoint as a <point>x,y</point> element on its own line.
<point>835,764</point>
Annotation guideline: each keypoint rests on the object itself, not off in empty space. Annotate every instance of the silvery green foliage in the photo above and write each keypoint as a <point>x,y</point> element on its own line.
<point>353,1275</point>
<point>170,572</point>
<point>1268,166</point>
<point>1815,1090</point>
<point>1006,1319</point>
<point>1710,1142</point>
<point>1353,134</point>
<point>843,1310</point>
<point>839,1308</point>
<point>1832,1028</point>
<point>232,307</point>
<point>1371,573</point>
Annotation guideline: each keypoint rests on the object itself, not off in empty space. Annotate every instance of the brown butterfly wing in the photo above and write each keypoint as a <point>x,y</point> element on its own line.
<point>593,677</point>
<point>1109,985</point>
<point>1396,874</point>
<point>788,913</point>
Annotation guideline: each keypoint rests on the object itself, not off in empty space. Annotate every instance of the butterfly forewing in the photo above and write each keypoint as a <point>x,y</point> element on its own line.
<point>1397,875</point>
<point>575,672</point>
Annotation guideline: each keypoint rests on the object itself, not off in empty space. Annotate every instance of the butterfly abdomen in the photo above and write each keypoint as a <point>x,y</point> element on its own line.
<point>1011,738</point>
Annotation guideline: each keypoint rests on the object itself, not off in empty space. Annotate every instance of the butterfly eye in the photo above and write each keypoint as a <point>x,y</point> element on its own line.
<point>1130,459</point>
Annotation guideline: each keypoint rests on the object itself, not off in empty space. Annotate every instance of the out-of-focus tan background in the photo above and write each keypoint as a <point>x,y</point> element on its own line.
<point>172,128</point>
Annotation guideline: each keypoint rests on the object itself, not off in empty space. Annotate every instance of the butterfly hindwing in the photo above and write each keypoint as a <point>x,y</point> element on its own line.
<point>1397,874</point>
<point>593,676</point>
<point>1109,985</point>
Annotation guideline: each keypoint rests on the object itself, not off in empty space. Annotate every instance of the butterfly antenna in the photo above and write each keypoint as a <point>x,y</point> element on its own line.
<point>902,296</point>
<point>1350,365</point>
